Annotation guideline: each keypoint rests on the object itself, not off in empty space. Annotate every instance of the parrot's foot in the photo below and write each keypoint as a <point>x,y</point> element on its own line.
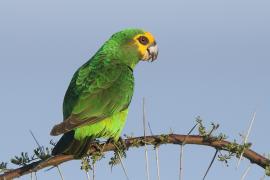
<point>117,144</point>
<point>120,145</point>
<point>94,144</point>
<point>112,140</point>
<point>119,151</point>
<point>121,140</point>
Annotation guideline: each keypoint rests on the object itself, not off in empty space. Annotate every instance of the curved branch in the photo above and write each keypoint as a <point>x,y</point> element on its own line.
<point>137,142</point>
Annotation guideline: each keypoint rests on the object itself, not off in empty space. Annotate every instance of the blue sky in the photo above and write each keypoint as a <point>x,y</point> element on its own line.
<point>213,62</point>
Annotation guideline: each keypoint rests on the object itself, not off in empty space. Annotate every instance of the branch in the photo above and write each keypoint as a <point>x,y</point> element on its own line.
<point>138,142</point>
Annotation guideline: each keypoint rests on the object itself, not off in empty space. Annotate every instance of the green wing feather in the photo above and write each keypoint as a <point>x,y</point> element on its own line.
<point>96,91</point>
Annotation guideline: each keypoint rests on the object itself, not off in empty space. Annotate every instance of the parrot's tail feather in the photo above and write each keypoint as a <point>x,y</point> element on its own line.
<point>60,129</point>
<point>70,146</point>
<point>66,126</point>
<point>71,123</point>
<point>56,130</point>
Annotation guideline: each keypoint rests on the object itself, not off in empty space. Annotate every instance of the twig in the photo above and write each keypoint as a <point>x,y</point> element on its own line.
<point>94,171</point>
<point>246,172</point>
<point>254,157</point>
<point>59,171</point>
<point>87,175</point>
<point>157,154</point>
<point>145,146</point>
<point>150,129</point>
<point>35,138</point>
<point>122,164</point>
<point>190,131</point>
<point>121,161</point>
<point>182,152</point>
<point>157,162</point>
<point>35,173</point>
<point>181,162</point>
<point>210,165</point>
<point>246,137</point>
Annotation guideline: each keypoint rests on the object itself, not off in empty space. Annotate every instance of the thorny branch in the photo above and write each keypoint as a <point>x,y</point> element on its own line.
<point>141,141</point>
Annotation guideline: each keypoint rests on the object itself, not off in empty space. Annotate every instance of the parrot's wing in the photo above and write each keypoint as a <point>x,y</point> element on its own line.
<point>91,97</point>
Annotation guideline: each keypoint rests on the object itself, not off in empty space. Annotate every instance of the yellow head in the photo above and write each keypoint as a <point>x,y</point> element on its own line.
<point>147,46</point>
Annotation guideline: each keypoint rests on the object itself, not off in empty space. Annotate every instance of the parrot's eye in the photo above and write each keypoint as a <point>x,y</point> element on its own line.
<point>143,40</point>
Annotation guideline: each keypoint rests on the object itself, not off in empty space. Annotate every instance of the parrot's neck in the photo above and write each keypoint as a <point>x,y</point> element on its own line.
<point>116,53</point>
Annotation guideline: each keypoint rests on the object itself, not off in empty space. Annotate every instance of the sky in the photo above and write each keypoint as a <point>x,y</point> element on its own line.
<point>213,62</point>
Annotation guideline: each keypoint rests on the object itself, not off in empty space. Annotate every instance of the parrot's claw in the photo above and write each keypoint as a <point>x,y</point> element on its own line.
<point>121,141</point>
<point>110,140</point>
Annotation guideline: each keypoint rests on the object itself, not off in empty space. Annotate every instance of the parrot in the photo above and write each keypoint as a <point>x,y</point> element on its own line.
<point>97,99</point>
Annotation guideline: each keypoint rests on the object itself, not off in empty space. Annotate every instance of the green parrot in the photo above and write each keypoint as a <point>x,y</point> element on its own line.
<point>97,99</point>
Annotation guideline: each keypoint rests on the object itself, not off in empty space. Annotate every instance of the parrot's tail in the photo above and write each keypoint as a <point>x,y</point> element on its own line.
<point>70,146</point>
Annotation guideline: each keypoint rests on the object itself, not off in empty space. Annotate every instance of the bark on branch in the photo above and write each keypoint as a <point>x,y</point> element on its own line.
<point>137,142</point>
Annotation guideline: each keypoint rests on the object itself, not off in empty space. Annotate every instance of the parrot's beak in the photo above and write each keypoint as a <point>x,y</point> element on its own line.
<point>152,52</point>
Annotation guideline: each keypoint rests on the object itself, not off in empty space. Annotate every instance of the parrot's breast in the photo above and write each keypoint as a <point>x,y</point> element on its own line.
<point>111,127</point>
